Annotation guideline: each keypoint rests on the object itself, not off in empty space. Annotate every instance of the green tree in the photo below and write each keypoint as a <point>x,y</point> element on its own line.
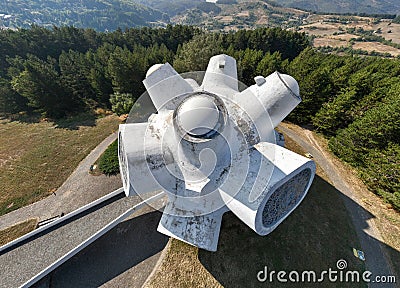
<point>378,126</point>
<point>247,65</point>
<point>40,83</point>
<point>120,70</point>
<point>382,171</point>
<point>333,115</point>
<point>269,64</point>
<point>157,54</point>
<point>121,102</point>
<point>75,71</point>
<point>127,70</point>
<point>109,162</point>
<point>98,75</point>
<point>10,101</point>
<point>195,54</point>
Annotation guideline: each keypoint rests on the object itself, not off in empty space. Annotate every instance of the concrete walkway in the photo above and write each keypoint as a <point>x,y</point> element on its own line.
<point>124,257</point>
<point>78,190</point>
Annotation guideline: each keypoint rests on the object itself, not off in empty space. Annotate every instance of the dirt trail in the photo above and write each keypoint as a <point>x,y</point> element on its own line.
<point>369,236</point>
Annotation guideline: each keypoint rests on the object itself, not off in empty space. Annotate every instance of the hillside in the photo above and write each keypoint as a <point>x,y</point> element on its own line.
<point>170,7</point>
<point>353,34</point>
<point>240,14</point>
<point>98,14</point>
<point>370,34</point>
<point>226,15</point>
<point>346,6</point>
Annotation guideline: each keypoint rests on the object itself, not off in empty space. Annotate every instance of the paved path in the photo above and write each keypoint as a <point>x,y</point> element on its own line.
<point>369,236</point>
<point>124,257</point>
<point>78,190</point>
<point>19,264</point>
<point>25,261</point>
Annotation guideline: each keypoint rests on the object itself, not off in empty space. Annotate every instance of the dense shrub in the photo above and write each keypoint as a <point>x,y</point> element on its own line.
<point>108,162</point>
<point>121,102</point>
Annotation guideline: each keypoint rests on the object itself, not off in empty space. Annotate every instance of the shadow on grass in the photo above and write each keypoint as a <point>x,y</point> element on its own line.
<point>314,237</point>
<point>72,122</point>
<point>124,247</point>
<point>23,117</point>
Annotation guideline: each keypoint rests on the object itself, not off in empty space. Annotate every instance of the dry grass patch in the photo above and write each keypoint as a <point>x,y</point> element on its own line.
<point>243,14</point>
<point>344,37</point>
<point>180,267</point>
<point>36,158</point>
<point>295,11</point>
<point>226,19</point>
<point>391,32</point>
<point>378,47</point>
<point>336,43</point>
<point>263,20</point>
<point>16,231</point>
<point>320,29</point>
<point>326,27</point>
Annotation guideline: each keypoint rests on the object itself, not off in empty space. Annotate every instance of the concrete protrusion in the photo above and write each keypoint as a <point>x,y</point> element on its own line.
<point>198,115</point>
<point>260,80</point>
<point>291,83</point>
<point>153,69</point>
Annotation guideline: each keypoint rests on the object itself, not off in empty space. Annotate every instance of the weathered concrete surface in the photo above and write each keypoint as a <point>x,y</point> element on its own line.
<point>20,264</point>
<point>124,257</point>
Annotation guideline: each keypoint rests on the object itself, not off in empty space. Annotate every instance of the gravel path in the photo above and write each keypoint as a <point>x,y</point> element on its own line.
<point>367,232</point>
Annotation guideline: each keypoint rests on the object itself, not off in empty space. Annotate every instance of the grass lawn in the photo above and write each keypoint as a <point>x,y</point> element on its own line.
<point>16,231</point>
<point>314,237</point>
<point>36,158</point>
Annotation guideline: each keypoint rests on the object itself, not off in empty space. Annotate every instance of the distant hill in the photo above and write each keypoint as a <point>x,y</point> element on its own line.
<point>170,7</point>
<point>228,15</point>
<point>346,6</point>
<point>98,14</point>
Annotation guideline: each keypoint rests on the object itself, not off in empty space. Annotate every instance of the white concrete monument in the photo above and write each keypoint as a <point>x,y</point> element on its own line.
<point>212,149</point>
